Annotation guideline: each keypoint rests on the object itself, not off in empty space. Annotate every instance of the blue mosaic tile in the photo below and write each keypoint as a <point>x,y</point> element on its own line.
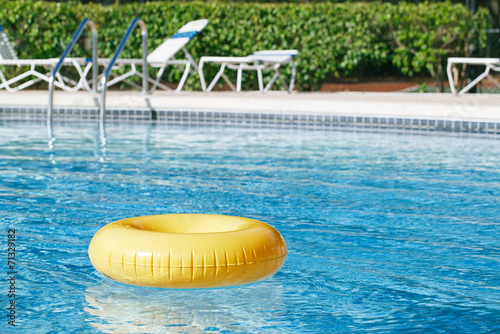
<point>246,119</point>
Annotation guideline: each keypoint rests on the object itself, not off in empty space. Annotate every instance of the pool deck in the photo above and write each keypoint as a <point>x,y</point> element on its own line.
<point>368,106</point>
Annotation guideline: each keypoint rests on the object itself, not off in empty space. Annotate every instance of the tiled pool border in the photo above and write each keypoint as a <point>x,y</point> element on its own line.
<point>257,119</point>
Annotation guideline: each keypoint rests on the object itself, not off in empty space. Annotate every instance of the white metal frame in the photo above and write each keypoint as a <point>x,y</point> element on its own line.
<point>491,64</point>
<point>160,58</point>
<point>39,70</point>
<point>270,60</point>
<point>133,63</point>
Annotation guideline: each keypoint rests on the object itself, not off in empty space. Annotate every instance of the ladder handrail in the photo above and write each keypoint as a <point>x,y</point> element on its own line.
<point>104,79</point>
<point>68,49</point>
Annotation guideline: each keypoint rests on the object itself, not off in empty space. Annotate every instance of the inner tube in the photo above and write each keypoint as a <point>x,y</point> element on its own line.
<point>187,251</point>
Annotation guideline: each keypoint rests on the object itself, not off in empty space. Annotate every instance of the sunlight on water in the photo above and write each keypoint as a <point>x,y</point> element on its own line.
<point>386,233</point>
<point>121,309</point>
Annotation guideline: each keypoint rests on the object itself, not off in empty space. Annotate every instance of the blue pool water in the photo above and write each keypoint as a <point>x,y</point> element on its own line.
<point>386,233</point>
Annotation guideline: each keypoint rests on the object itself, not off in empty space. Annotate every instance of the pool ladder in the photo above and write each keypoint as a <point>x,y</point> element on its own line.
<point>107,71</point>
<point>59,64</point>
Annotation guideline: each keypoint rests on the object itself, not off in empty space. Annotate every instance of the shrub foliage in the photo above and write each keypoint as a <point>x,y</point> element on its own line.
<point>335,40</point>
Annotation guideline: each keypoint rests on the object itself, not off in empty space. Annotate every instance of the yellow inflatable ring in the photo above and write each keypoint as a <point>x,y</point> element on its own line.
<point>187,251</point>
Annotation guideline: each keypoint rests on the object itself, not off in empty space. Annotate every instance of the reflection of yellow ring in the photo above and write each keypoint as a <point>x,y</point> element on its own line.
<point>187,251</point>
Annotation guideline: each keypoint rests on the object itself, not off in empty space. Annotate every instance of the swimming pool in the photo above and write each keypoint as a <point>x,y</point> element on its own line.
<point>387,233</point>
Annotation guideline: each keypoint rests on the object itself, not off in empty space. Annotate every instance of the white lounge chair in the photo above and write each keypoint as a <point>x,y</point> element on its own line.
<point>39,69</point>
<point>491,64</point>
<point>259,61</point>
<point>161,57</point>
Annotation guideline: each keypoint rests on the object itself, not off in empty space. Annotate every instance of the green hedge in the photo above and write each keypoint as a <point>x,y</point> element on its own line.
<point>335,40</point>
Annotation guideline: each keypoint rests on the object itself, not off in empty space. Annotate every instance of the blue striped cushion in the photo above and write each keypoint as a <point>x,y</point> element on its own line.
<point>188,34</point>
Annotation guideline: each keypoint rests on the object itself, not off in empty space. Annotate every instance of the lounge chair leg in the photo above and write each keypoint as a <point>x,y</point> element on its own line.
<point>117,79</point>
<point>217,77</point>
<point>159,85</point>
<point>158,77</point>
<point>475,81</point>
<point>184,78</point>
<point>259,77</point>
<point>270,83</point>
<point>190,58</point>
<point>450,78</point>
<point>292,80</point>
<point>229,83</point>
<point>202,76</point>
<point>239,77</point>
<point>83,79</point>
<point>20,77</point>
